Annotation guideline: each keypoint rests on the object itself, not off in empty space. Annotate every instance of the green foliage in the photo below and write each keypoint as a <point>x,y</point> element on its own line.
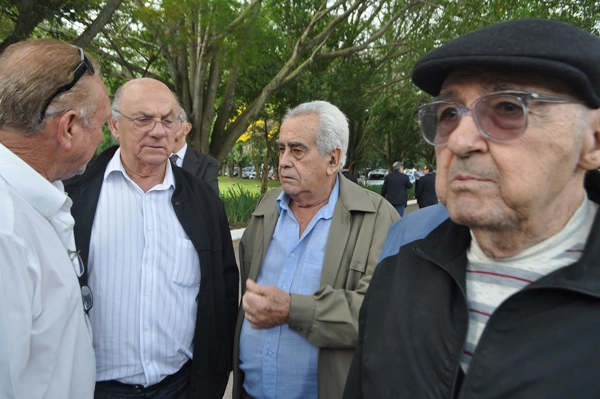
<point>239,203</point>
<point>377,189</point>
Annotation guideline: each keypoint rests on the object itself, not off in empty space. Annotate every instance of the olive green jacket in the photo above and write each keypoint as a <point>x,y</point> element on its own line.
<point>329,318</point>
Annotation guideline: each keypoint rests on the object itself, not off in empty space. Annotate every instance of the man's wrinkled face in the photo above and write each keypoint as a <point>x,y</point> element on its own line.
<point>302,168</point>
<point>146,99</point>
<point>506,184</point>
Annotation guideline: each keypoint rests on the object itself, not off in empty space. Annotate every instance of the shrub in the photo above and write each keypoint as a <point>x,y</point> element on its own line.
<point>377,189</point>
<point>239,205</point>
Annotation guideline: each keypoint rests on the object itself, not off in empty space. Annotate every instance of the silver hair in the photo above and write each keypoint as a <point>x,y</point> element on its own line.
<point>333,126</point>
<point>397,165</point>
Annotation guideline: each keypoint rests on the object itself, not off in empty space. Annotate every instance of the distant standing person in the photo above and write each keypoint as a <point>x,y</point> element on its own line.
<point>425,190</point>
<point>202,166</point>
<point>419,173</point>
<point>348,175</point>
<point>395,186</point>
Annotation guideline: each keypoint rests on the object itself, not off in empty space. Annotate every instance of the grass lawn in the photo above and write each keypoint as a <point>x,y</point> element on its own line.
<point>226,183</point>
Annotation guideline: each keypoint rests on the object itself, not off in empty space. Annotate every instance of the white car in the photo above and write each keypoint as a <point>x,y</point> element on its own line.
<point>248,172</point>
<point>376,177</point>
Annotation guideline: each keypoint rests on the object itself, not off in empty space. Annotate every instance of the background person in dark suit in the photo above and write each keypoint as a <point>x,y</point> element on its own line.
<point>202,166</point>
<point>425,189</point>
<point>394,188</point>
<point>348,175</point>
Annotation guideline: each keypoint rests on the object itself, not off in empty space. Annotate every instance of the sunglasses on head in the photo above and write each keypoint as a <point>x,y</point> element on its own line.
<point>84,66</point>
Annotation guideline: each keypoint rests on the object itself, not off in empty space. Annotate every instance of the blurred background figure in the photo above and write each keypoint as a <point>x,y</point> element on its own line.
<point>200,165</point>
<point>425,189</point>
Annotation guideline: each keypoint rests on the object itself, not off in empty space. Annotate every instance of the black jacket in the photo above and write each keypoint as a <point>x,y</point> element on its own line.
<point>202,166</point>
<point>202,216</point>
<point>542,342</point>
<point>394,188</point>
<point>425,191</point>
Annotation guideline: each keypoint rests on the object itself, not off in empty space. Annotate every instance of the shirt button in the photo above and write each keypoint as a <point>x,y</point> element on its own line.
<point>149,228</point>
<point>147,294</point>
<point>149,262</point>
<point>147,329</point>
<point>148,363</point>
<point>293,255</point>
<point>270,353</point>
<point>285,286</point>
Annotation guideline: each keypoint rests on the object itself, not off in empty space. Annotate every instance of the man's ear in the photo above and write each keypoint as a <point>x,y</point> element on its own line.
<point>187,127</point>
<point>335,157</point>
<point>67,127</point>
<point>590,153</point>
<point>114,130</point>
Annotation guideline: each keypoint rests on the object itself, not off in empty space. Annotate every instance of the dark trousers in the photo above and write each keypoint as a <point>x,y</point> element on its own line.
<point>175,386</point>
<point>400,209</point>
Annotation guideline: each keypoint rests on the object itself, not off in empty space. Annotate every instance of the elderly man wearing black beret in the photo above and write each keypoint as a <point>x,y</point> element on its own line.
<point>501,299</point>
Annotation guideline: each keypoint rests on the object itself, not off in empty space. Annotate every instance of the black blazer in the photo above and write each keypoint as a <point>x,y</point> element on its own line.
<point>202,216</point>
<point>203,166</point>
<point>394,188</point>
<point>425,191</point>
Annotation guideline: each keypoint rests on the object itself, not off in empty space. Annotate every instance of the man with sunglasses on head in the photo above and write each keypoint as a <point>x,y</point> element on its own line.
<point>52,108</point>
<point>157,246</point>
<point>502,299</point>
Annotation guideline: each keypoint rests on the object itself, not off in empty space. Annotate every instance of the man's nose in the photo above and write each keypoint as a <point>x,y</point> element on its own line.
<point>466,137</point>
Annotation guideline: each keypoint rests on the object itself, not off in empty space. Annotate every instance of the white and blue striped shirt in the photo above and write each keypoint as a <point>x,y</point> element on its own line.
<point>145,276</point>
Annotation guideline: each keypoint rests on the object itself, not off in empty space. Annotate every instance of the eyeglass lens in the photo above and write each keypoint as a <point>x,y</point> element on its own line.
<point>145,125</point>
<point>86,292</point>
<point>500,116</point>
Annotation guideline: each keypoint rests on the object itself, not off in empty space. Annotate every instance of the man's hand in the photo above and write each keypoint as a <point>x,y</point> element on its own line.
<point>265,306</point>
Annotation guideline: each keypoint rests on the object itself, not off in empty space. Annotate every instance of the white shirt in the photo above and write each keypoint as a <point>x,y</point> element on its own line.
<point>45,339</point>
<point>145,276</point>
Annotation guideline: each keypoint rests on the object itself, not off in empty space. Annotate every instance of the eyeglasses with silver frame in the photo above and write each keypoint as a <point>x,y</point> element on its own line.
<point>145,124</point>
<point>499,116</point>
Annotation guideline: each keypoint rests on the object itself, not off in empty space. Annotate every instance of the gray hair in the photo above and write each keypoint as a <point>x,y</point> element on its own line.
<point>397,165</point>
<point>31,71</point>
<point>333,126</point>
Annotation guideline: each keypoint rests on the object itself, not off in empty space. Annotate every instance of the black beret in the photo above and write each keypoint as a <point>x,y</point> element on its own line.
<point>532,45</point>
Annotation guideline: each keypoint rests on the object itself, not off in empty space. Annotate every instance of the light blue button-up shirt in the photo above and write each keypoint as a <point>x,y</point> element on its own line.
<point>278,362</point>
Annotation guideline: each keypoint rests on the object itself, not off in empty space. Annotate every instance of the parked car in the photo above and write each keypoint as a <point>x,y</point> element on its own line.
<point>376,177</point>
<point>248,171</point>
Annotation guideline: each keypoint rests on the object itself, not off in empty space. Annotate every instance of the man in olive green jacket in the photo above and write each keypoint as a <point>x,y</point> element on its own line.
<point>306,258</point>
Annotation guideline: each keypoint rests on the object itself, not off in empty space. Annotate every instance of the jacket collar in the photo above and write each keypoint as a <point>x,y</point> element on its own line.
<point>352,197</point>
<point>447,246</point>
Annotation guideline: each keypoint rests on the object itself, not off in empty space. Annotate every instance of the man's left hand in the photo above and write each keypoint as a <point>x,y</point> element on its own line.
<point>265,306</point>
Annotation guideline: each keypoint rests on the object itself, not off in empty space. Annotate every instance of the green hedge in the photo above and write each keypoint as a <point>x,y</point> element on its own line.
<point>377,189</point>
<point>239,205</point>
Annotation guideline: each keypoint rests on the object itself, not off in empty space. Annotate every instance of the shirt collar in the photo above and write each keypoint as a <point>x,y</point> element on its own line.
<point>326,212</point>
<point>115,165</point>
<point>46,197</point>
<point>181,153</point>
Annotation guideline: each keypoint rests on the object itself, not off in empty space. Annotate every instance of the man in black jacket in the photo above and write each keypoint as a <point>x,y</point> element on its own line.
<point>156,243</point>
<point>425,190</point>
<point>395,186</point>
<point>501,300</point>
<point>202,166</point>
